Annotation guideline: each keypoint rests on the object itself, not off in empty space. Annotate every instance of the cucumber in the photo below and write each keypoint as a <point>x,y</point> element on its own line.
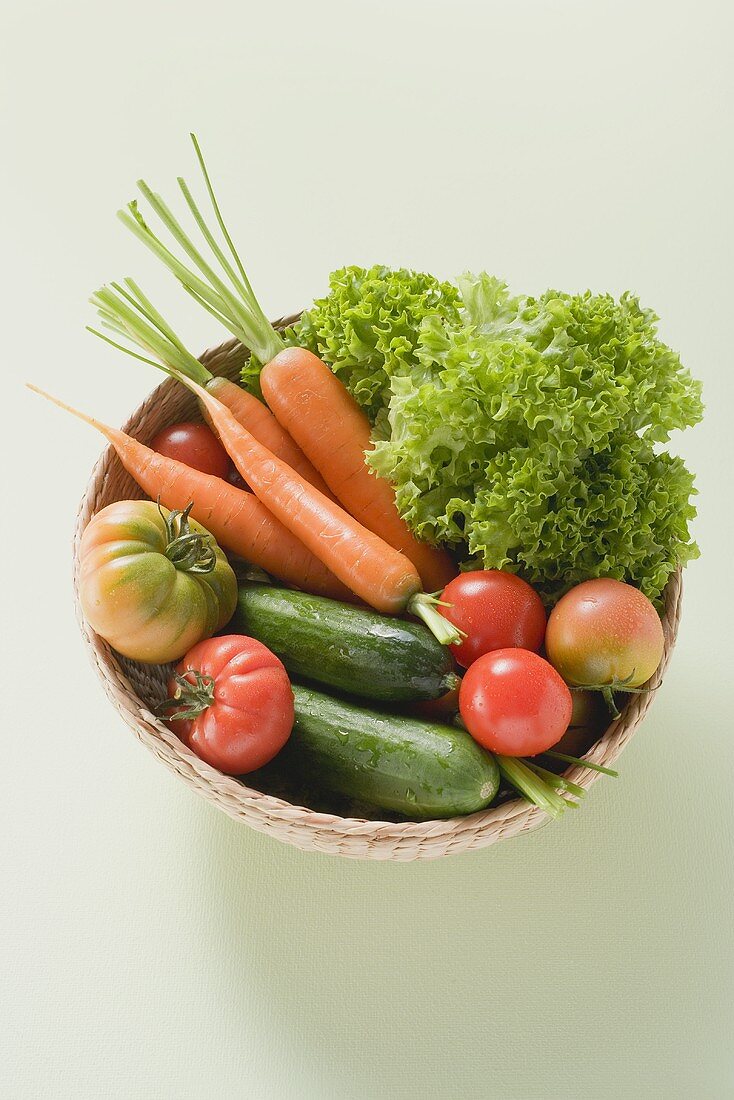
<point>419,769</point>
<point>347,648</point>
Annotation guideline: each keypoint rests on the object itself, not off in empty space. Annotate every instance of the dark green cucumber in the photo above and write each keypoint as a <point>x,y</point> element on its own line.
<point>419,769</point>
<point>347,648</point>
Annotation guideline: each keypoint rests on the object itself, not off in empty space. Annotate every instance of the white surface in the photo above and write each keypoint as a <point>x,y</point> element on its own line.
<point>151,947</point>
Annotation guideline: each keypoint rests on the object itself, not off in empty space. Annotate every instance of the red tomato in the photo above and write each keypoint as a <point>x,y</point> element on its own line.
<point>195,445</point>
<point>514,703</point>
<point>605,632</point>
<point>495,610</point>
<point>234,702</point>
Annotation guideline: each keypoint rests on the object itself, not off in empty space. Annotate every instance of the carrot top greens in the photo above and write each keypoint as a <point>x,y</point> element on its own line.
<point>221,285</point>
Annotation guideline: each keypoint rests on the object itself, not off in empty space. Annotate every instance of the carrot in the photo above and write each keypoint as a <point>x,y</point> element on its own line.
<point>369,566</point>
<point>236,519</point>
<point>381,576</point>
<point>251,413</point>
<point>307,399</point>
<point>333,432</point>
<point>257,418</point>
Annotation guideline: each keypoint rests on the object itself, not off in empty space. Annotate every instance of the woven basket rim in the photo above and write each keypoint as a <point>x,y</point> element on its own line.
<point>299,825</point>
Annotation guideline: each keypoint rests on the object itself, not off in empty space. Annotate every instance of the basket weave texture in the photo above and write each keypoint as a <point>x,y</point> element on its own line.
<point>135,689</point>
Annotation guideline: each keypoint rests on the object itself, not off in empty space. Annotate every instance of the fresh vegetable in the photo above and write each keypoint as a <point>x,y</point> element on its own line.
<point>348,648</point>
<point>495,610</point>
<point>605,635</point>
<point>331,429</point>
<point>249,322</point>
<point>417,768</point>
<point>514,703</point>
<point>114,307</point>
<point>368,329</point>
<point>372,570</point>
<point>525,433</point>
<point>231,702</point>
<point>416,424</point>
<point>309,402</point>
<point>237,519</point>
<point>152,583</point>
<point>194,445</point>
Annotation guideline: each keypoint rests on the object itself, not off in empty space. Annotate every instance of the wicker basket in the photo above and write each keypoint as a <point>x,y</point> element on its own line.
<point>135,688</point>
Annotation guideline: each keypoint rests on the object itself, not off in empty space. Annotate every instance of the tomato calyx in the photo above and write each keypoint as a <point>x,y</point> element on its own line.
<point>189,700</point>
<point>189,551</point>
<point>608,690</point>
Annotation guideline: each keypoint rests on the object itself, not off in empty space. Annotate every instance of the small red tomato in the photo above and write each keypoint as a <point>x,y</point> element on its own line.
<point>495,610</point>
<point>195,445</point>
<point>514,703</point>
<point>231,703</point>
<point>604,632</point>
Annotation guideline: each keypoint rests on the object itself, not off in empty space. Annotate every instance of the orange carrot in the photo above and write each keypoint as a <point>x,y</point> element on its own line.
<point>257,418</point>
<point>260,422</point>
<point>377,573</point>
<point>381,576</point>
<point>236,519</point>
<point>333,432</point>
<point>309,401</point>
<point>360,559</point>
<point>113,305</point>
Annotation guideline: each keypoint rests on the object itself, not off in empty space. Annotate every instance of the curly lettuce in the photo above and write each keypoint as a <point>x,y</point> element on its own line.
<point>526,437</point>
<point>367,327</point>
<point>524,432</point>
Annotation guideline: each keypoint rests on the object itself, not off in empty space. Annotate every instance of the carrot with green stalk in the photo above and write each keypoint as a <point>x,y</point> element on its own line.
<point>380,575</point>
<point>236,519</point>
<point>248,410</point>
<point>310,402</point>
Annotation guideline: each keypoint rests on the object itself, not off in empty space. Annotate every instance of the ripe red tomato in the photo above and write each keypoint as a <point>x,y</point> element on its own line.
<point>514,703</point>
<point>195,445</point>
<point>495,610</point>
<point>605,632</point>
<point>231,703</point>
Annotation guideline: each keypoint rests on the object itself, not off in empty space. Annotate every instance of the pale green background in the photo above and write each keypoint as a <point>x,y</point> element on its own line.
<point>151,947</point>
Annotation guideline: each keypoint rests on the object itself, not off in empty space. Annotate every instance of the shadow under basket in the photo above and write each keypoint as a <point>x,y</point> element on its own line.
<point>135,689</point>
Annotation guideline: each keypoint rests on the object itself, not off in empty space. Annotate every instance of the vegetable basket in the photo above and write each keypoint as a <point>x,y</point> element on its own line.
<point>135,689</point>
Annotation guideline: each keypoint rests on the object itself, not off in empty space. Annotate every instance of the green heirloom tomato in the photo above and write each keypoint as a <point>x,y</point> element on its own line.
<point>153,583</point>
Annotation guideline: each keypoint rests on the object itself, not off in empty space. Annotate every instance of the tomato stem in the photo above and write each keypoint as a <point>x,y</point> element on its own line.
<point>608,695</point>
<point>189,699</point>
<point>189,551</point>
<point>607,691</point>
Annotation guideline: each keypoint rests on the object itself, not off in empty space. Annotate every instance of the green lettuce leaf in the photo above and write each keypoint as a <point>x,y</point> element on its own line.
<point>525,432</point>
<point>367,327</point>
<point>526,437</point>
